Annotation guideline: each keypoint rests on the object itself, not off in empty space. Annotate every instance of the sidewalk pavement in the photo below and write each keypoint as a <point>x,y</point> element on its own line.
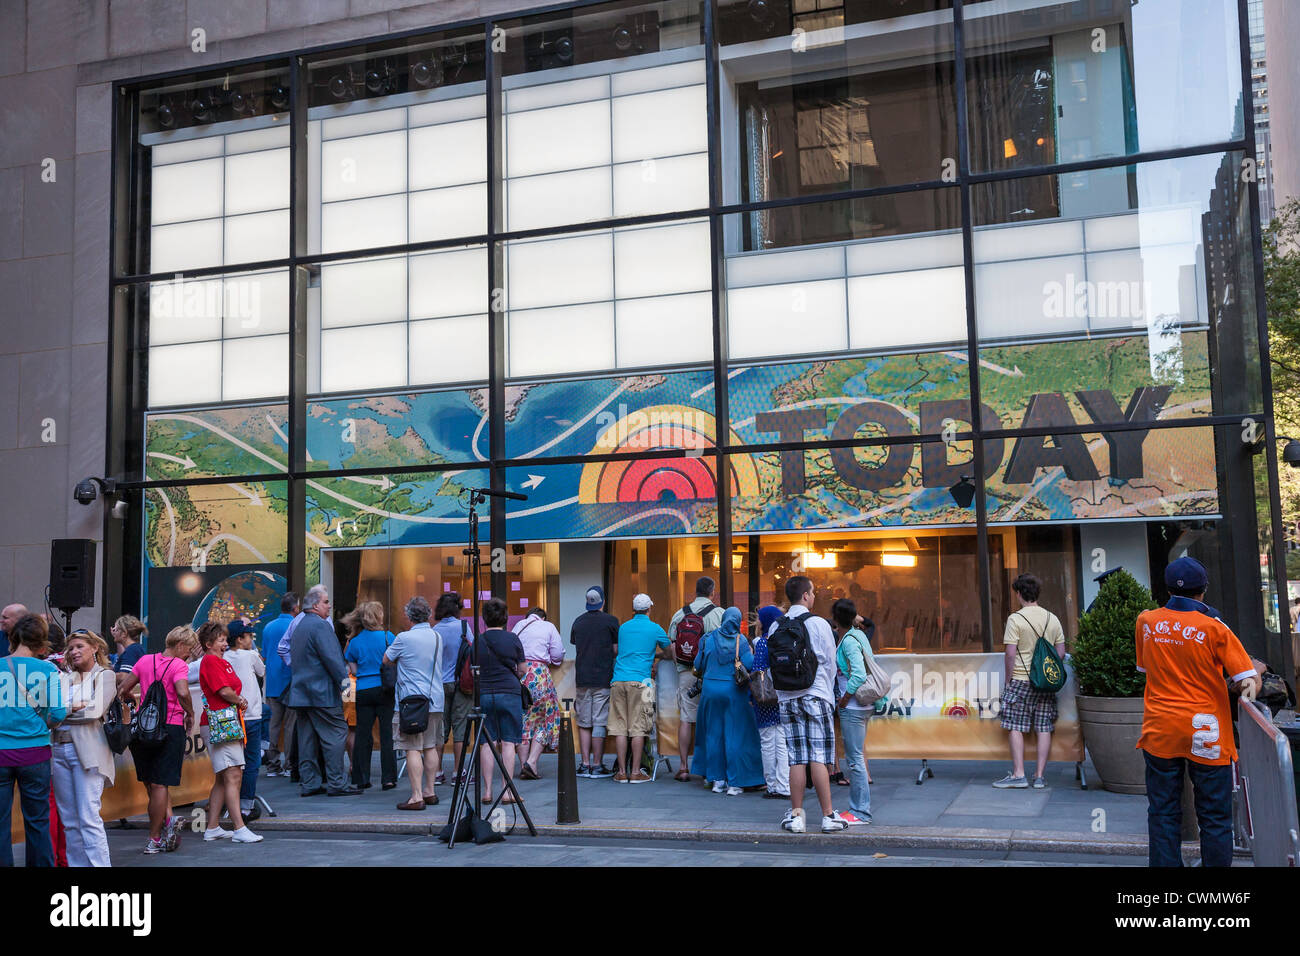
<point>956,809</point>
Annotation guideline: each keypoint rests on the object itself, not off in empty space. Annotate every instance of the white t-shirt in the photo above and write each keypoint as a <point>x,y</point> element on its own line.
<point>248,667</point>
<point>823,645</point>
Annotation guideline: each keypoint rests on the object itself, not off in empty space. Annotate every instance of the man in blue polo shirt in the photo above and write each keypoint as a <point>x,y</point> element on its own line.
<point>277,688</point>
<point>632,694</point>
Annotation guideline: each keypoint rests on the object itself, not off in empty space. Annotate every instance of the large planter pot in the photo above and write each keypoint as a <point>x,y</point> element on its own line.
<point>1111,728</point>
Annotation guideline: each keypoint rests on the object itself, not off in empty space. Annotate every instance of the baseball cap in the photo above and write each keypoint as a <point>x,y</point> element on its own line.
<point>595,598</point>
<point>1187,574</point>
<point>236,628</point>
<point>642,602</point>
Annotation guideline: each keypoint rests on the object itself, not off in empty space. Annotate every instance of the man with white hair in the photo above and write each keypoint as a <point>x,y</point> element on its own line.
<point>10,616</point>
<point>316,663</point>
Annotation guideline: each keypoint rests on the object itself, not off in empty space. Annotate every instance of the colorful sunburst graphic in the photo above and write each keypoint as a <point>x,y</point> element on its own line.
<point>956,707</point>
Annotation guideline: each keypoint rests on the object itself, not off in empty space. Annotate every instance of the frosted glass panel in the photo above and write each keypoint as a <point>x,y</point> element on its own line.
<point>256,304</point>
<point>255,368</point>
<point>360,124</point>
<point>658,77</point>
<point>907,308</point>
<point>661,185</point>
<point>570,339</point>
<point>449,283</point>
<point>668,330</point>
<point>659,124</point>
<point>256,237</point>
<point>184,311</point>
<point>185,374</point>
<point>258,139</point>
<point>363,166</point>
<point>448,213</point>
<point>557,94</point>
<point>257,181</point>
<point>363,223</point>
<point>186,245</point>
<point>1013,296</point>
<point>561,137</point>
<point>356,293</point>
<point>662,259</point>
<point>449,350</point>
<point>556,271</point>
<point>760,319</point>
<point>186,191</point>
<point>184,150</point>
<point>558,198</point>
<point>448,154</point>
<point>360,358</point>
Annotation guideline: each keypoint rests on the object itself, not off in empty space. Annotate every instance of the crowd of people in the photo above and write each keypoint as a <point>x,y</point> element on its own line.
<point>310,709</point>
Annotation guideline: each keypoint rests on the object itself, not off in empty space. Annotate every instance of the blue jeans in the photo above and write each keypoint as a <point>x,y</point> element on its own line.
<point>1212,795</point>
<point>853,728</point>
<point>252,760</point>
<point>34,797</point>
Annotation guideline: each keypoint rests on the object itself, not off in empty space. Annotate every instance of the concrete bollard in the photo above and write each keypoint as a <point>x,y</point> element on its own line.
<point>566,779</point>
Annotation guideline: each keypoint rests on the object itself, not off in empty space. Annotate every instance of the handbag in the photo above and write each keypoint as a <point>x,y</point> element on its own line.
<point>741,673</point>
<point>877,684</point>
<point>225,725</point>
<point>413,709</point>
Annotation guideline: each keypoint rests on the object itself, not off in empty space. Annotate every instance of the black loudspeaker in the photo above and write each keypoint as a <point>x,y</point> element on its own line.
<point>72,573</point>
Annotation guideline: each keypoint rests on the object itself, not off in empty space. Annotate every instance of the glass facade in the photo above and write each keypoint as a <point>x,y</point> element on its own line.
<point>719,285</point>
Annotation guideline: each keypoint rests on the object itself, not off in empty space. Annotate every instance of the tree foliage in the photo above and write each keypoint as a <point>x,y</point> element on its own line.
<point>1104,655</point>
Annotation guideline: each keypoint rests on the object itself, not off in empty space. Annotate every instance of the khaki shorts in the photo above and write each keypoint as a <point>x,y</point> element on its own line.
<point>686,706</point>
<point>631,706</point>
<point>455,713</point>
<point>592,705</point>
<point>431,738</point>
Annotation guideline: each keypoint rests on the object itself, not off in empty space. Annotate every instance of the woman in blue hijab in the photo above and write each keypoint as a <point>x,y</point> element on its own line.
<point>727,749</point>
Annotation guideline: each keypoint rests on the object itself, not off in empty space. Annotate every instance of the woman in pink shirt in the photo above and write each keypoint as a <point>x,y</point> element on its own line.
<point>542,649</point>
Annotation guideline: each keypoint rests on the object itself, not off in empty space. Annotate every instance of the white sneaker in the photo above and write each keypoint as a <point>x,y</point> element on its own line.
<point>734,791</point>
<point>217,833</point>
<point>245,835</point>
<point>834,823</point>
<point>719,786</point>
<point>794,821</point>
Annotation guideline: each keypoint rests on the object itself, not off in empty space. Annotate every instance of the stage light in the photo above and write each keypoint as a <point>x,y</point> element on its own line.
<point>201,108</point>
<point>166,116</point>
<point>426,73</point>
<point>280,97</point>
<point>963,492</point>
<point>622,38</point>
<point>758,11</point>
<point>375,81</point>
<point>240,103</point>
<point>339,87</point>
<point>563,49</point>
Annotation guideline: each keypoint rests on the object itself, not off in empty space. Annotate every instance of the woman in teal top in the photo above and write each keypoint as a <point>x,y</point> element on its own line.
<point>727,749</point>
<point>31,698</point>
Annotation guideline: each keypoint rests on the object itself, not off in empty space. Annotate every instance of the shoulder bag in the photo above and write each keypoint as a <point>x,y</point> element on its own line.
<point>741,673</point>
<point>877,684</point>
<point>413,709</point>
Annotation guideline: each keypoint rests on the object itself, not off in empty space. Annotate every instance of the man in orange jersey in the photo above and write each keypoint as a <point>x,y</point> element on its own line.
<point>1186,651</point>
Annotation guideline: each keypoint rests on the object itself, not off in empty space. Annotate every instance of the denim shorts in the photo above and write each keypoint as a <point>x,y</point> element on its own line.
<point>503,717</point>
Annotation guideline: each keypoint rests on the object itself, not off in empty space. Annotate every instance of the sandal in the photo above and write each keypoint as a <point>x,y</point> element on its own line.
<point>839,779</point>
<point>526,772</point>
<point>683,776</point>
<point>506,797</point>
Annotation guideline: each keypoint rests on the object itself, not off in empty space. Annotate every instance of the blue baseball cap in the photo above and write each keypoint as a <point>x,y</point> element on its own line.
<point>595,597</point>
<point>1186,574</point>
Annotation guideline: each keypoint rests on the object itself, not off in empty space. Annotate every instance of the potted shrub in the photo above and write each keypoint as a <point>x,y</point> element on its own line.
<point>1110,686</point>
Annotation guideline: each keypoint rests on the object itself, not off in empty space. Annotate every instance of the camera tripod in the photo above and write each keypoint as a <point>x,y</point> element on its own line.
<point>479,738</point>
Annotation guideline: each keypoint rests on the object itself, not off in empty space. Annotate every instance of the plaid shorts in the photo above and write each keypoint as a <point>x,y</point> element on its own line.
<point>1027,709</point>
<point>809,727</point>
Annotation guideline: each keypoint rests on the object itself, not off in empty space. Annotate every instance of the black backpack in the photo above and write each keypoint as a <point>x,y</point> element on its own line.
<point>149,726</point>
<point>790,654</point>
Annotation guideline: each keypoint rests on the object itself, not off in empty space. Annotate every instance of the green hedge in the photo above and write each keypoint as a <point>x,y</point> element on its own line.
<point>1104,660</point>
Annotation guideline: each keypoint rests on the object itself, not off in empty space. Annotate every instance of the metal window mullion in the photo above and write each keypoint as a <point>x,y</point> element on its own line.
<point>972,329</point>
<point>495,305</point>
<point>722,408</point>
<point>296,450</point>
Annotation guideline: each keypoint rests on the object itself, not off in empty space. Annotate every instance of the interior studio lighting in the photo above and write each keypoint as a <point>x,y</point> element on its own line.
<point>339,86</point>
<point>201,108</point>
<point>241,104</point>
<point>426,74</point>
<point>280,97</point>
<point>378,79</point>
<point>895,559</point>
<point>622,38</point>
<point>562,48</point>
<point>166,115</point>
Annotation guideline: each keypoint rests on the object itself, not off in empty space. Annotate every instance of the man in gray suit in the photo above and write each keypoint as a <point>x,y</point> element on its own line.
<point>318,675</point>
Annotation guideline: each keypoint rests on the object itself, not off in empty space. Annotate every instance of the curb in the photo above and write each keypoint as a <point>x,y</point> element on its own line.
<point>883,837</point>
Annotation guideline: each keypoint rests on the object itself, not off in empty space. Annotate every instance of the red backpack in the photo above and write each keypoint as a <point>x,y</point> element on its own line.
<point>465,663</point>
<point>689,633</point>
